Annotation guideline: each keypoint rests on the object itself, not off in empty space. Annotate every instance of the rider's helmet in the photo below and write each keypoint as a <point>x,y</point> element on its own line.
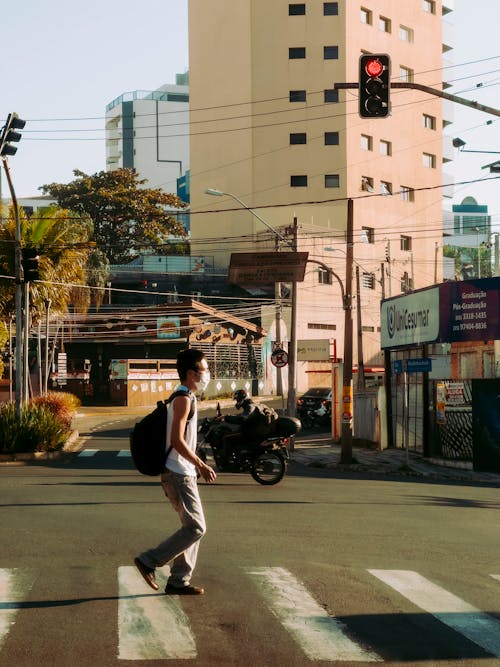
<point>240,396</point>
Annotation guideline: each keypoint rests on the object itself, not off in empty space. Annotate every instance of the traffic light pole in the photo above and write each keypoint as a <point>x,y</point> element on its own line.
<point>431,91</point>
<point>19,293</point>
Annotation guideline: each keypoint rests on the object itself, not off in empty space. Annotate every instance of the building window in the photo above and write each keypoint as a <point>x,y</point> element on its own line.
<point>367,184</point>
<point>457,227</point>
<point>385,147</point>
<point>368,329</point>
<point>332,181</point>
<point>405,243</point>
<point>429,6</point>
<point>405,34</point>
<point>368,234</point>
<point>321,325</point>
<point>368,280</point>
<point>297,96</point>
<point>297,9</point>
<point>385,188</point>
<point>298,181</point>
<point>366,142</point>
<point>330,52</point>
<point>429,160</point>
<point>331,95</point>
<point>384,24</point>
<point>298,138</point>
<point>295,52</point>
<point>330,8</point>
<point>331,138</point>
<point>406,282</point>
<point>405,74</point>
<point>429,121</point>
<point>324,277</point>
<point>366,16</point>
<point>406,193</point>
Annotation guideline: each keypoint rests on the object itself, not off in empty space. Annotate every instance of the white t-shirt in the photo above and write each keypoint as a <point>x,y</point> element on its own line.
<point>175,462</point>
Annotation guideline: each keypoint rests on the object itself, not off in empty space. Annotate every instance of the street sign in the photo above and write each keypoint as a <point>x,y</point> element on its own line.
<point>418,365</point>
<point>279,358</point>
<point>313,350</point>
<point>397,366</point>
<point>265,268</point>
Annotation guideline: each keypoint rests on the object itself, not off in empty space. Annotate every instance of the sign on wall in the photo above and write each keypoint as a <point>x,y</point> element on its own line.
<point>313,350</point>
<point>410,319</point>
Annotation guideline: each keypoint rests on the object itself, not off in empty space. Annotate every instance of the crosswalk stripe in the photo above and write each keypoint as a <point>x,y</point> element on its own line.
<point>124,453</point>
<point>88,452</point>
<point>150,626</point>
<point>320,636</point>
<point>479,627</point>
<point>14,586</point>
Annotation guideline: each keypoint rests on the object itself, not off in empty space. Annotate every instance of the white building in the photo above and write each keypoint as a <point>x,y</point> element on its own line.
<point>148,131</point>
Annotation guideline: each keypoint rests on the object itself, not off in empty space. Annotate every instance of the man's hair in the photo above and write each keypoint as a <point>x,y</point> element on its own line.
<point>187,360</point>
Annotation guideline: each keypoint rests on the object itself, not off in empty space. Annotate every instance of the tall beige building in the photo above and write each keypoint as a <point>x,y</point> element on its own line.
<point>268,126</point>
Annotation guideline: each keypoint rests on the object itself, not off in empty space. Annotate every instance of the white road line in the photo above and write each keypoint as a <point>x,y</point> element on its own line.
<point>87,452</point>
<point>495,576</point>
<point>150,626</point>
<point>476,625</point>
<point>320,636</point>
<point>125,453</point>
<point>14,586</point>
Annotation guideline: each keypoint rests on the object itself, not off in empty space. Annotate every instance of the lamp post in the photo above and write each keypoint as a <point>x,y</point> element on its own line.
<point>291,407</point>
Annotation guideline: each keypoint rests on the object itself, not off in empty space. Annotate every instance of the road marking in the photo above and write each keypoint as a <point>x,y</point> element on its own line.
<point>150,626</point>
<point>320,636</point>
<point>495,576</point>
<point>87,452</point>
<point>125,453</point>
<point>479,627</point>
<point>14,586</point>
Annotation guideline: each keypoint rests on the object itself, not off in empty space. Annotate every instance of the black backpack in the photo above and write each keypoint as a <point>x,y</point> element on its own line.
<point>148,439</point>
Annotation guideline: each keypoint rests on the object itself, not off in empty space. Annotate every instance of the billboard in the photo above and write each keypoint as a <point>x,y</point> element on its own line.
<point>466,310</point>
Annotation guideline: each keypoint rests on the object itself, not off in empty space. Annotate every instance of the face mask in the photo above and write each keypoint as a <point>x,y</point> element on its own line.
<point>202,383</point>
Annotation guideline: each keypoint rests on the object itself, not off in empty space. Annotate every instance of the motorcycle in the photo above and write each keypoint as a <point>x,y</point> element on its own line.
<point>265,458</point>
<point>318,418</point>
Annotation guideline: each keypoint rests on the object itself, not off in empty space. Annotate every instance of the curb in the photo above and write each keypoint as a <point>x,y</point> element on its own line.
<point>22,458</point>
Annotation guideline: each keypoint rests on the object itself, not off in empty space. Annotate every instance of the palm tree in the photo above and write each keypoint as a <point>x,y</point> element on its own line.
<point>62,241</point>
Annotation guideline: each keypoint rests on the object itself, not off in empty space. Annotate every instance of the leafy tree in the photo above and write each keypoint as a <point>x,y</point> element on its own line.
<point>127,217</point>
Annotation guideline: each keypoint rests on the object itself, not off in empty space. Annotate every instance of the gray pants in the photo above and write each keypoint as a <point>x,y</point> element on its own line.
<point>182,546</point>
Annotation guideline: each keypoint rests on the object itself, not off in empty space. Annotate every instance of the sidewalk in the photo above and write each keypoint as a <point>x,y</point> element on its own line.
<point>319,451</point>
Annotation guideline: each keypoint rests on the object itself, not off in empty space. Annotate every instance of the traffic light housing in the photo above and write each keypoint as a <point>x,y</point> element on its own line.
<point>31,260</point>
<point>374,85</point>
<point>9,135</point>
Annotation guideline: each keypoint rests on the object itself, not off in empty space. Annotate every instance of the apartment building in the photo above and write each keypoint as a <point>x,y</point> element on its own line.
<point>148,131</point>
<point>269,127</point>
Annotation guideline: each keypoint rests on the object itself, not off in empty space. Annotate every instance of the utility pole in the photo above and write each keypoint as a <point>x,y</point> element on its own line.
<point>347,402</point>
<point>8,137</point>
<point>19,293</point>
<point>361,364</point>
<point>292,347</point>
<point>277,296</point>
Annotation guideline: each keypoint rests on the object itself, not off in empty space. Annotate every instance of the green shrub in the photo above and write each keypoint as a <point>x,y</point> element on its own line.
<point>60,404</point>
<point>36,430</point>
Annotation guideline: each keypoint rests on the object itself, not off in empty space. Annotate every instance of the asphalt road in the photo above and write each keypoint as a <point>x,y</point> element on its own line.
<point>321,569</point>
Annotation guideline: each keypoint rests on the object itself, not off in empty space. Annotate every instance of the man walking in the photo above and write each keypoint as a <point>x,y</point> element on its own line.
<point>179,482</point>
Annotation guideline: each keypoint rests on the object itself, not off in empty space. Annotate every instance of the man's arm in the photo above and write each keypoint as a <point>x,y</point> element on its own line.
<point>180,414</point>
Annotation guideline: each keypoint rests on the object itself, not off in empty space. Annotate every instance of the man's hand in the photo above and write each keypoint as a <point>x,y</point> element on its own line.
<point>207,473</point>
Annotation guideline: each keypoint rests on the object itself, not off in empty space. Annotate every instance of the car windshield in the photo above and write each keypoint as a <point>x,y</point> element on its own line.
<point>318,392</point>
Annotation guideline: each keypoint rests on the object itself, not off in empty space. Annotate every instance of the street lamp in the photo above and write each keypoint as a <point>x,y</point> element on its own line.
<point>460,143</point>
<point>218,193</point>
<point>292,352</point>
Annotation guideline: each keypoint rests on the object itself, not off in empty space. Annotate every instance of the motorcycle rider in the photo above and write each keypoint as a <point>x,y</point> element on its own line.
<point>230,436</point>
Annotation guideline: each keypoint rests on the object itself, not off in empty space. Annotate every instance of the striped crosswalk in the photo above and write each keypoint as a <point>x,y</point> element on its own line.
<point>153,626</point>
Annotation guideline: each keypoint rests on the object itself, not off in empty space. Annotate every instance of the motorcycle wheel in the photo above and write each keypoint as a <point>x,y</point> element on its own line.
<point>268,468</point>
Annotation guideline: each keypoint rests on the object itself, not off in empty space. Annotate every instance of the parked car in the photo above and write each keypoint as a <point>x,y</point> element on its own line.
<point>314,398</point>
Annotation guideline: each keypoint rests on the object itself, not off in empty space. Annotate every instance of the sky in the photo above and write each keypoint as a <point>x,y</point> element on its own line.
<point>63,61</point>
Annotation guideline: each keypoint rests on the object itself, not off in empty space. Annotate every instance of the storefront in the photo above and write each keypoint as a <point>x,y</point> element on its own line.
<point>442,348</point>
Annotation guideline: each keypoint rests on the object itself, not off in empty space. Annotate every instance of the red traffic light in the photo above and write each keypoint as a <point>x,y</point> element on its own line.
<point>374,67</point>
